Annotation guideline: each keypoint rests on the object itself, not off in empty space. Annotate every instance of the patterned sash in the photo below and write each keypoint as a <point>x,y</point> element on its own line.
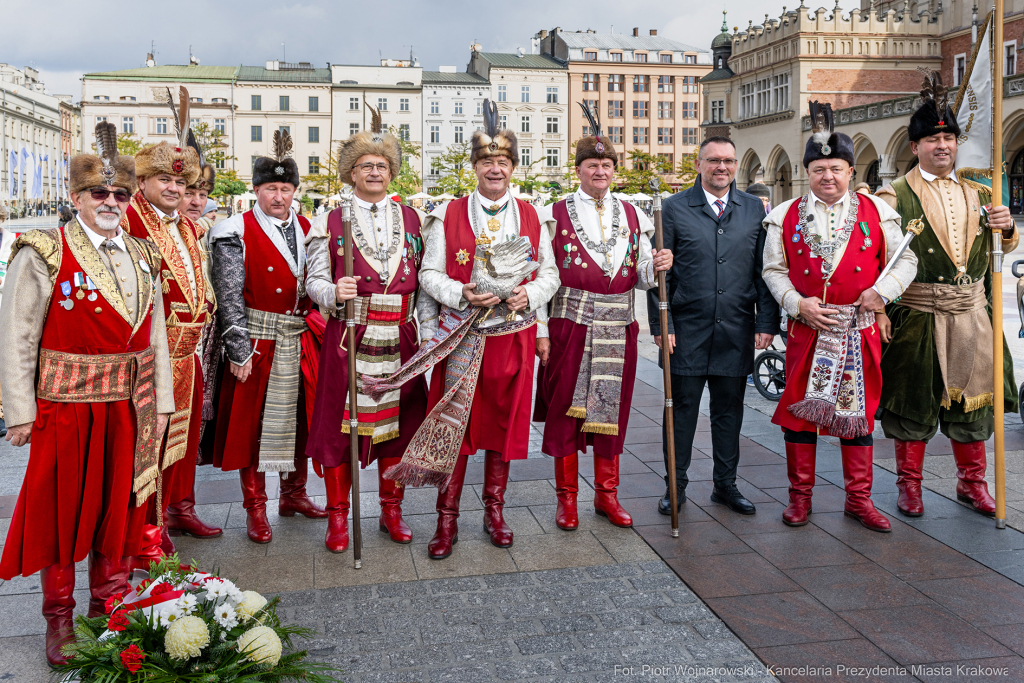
<point>77,378</point>
<point>598,390</point>
<point>431,456</point>
<point>277,440</point>
<point>378,355</point>
<point>835,397</point>
<point>183,340</point>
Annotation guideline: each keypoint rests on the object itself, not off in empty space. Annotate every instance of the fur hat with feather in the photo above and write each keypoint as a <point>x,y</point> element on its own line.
<point>493,140</point>
<point>173,159</point>
<point>595,145</point>
<point>375,141</point>
<point>934,115</point>
<point>280,168</point>
<point>207,176</point>
<point>824,143</point>
<point>106,167</point>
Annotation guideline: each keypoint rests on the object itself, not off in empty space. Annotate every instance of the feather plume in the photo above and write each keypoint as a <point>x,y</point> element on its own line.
<point>106,142</point>
<point>282,145</point>
<point>492,124</point>
<point>184,122</point>
<point>174,114</point>
<point>376,123</point>
<point>592,117</point>
<point>194,144</point>
<point>822,121</point>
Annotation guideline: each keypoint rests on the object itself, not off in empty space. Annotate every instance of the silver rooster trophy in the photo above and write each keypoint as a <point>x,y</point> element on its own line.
<point>500,270</point>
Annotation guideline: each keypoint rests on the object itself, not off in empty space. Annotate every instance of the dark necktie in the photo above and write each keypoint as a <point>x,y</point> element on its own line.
<point>289,235</point>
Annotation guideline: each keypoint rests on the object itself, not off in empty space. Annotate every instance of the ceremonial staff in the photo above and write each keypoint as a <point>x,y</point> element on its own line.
<point>353,394</point>
<point>997,262</point>
<point>666,351</point>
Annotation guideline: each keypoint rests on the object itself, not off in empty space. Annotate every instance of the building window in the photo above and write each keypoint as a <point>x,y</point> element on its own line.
<point>161,126</point>
<point>689,84</point>
<point>688,136</point>
<point>458,108</point>
<point>590,56</point>
<point>665,58</point>
<point>503,121</point>
<point>717,111</point>
<point>403,132</point>
<point>589,82</point>
<point>314,134</point>
<point>552,158</point>
<point>615,82</point>
<point>314,165</point>
<point>403,104</point>
<point>459,137</point>
<point>666,84</point>
<point>1010,58</point>
<point>128,124</point>
<point>524,124</point>
<point>353,128</point>
<point>524,93</point>
<point>665,110</point>
<point>197,100</point>
<point>219,164</point>
<point>525,156</point>
<point>353,104</point>
<point>194,123</point>
<point>615,109</point>
<point>257,102</point>
<point>382,104</point>
<point>285,130</point>
<point>587,131</point>
<point>435,107</point>
<point>435,166</point>
<point>959,69</point>
<point>641,83</point>
<point>591,105</point>
<point>219,100</point>
<point>255,133</point>
<point>503,93</point>
<point>640,135</point>
<point>640,109</point>
<point>552,125</point>
<point>687,110</point>
<point>435,133</point>
<point>615,134</point>
<point>780,92</point>
<point>479,108</point>
<point>668,157</point>
<point>615,56</point>
<point>552,95</point>
<point>284,103</point>
<point>220,125</point>
<point>690,59</point>
<point>640,57</point>
<point>665,136</point>
<point>314,103</point>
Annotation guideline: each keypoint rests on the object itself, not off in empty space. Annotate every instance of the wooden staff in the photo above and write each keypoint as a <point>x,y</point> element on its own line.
<point>670,434</point>
<point>997,261</point>
<point>353,393</point>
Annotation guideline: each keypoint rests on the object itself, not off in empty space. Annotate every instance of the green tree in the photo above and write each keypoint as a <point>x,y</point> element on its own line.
<point>457,176</point>
<point>128,144</point>
<point>530,181</point>
<point>307,204</point>
<point>211,141</point>
<point>326,182</point>
<point>640,168</point>
<point>228,185</point>
<point>686,171</point>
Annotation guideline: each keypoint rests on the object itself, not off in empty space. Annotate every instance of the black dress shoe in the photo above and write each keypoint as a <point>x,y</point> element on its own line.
<point>665,504</point>
<point>732,497</point>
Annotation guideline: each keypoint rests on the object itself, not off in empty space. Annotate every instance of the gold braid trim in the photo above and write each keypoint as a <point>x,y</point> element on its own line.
<point>577,412</point>
<point>46,243</point>
<point>601,428</point>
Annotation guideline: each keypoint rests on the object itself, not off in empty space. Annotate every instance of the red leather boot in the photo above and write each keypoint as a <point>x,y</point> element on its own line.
<point>391,495</point>
<point>150,550</point>
<point>800,459</point>
<point>447,534</point>
<point>857,478</point>
<point>495,481</point>
<point>106,579</point>
<point>254,490</point>
<point>909,460</point>
<point>338,482</point>
<point>606,501</point>
<point>182,519</point>
<point>293,493</point>
<point>567,485</point>
<point>970,471</point>
<point>58,605</point>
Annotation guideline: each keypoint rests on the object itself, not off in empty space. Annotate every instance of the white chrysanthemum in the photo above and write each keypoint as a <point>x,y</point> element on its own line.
<point>186,638</point>
<point>261,645</point>
<point>187,603</point>
<point>250,605</point>
<point>169,613</point>
<point>225,616</point>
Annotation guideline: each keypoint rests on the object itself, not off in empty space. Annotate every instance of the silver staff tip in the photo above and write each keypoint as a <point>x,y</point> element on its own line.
<point>675,533</point>
<point>359,564</point>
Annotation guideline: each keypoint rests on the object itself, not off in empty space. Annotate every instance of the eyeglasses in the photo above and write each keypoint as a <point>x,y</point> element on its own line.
<point>721,162</point>
<point>368,168</point>
<point>100,194</point>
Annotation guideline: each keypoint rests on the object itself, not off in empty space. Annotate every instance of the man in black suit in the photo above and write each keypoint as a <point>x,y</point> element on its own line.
<point>720,310</point>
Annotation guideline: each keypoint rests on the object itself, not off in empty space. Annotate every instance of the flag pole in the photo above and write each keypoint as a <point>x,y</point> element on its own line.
<point>997,263</point>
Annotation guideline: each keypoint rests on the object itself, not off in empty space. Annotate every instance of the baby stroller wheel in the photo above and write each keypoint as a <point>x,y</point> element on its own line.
<point>770,374</point>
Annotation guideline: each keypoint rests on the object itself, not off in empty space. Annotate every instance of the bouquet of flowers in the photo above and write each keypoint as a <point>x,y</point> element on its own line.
<point>185,625</point>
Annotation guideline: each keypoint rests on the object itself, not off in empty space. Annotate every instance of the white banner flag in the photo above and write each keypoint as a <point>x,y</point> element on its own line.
<point>27,171</point>
<point>12,176</point>
<point>973,110</point>
<point>37,177</point>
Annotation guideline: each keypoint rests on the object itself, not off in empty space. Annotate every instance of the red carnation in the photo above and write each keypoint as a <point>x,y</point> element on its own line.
<point>131,658</point>
<point>113,602</point>
<point>141,588</point>
<point>118,621</point>
<point>161,588</point>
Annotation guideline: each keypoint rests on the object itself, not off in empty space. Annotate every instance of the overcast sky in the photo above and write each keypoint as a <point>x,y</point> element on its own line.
<point>64,39</point>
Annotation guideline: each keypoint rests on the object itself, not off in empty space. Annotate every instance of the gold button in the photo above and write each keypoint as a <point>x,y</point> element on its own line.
<point>129,293</point>
<point>584,264</point>
<point>931,251</point>
<point>99,310</point>
<point>118,264</point>
<point>941,278</point>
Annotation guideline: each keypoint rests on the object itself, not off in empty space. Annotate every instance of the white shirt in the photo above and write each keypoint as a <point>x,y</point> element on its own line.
<point>712,199</point>
<point>98,239</point>
<point>587,213</point>
<point>377,233</point>
<point>929,177</point>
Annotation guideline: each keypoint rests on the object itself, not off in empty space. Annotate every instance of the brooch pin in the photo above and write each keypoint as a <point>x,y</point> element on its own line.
<point>462,257</point>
